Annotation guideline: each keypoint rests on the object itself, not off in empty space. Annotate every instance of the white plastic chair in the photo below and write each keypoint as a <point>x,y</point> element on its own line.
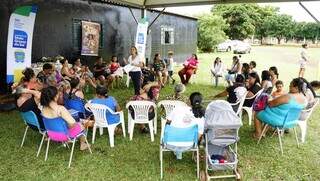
<point>99,112</point>
<point>128,80</point>
<point>249,110</point>
<point>168,106</point>
<point>303,123</point>
<point>240,105</point>
<point>141,116</point>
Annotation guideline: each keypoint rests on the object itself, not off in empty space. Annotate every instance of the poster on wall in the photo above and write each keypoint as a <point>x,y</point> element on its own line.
<point>90,38</point>
<point>141,37</point>
<point>19,46</point>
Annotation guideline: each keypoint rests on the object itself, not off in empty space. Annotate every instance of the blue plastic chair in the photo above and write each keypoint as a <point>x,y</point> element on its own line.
<point>57,130</point>
<point>290,121</point>
<point>76,104</point>
<point>173,137</point>
<point>30,118</point>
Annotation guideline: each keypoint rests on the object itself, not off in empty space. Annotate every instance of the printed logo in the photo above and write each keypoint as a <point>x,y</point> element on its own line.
<point>140,38</point>
<point>19,56</point>
<point>20,39</point>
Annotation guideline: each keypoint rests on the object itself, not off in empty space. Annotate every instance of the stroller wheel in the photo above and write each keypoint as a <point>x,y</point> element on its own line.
<point>239,174</point>
<point>203,176</point>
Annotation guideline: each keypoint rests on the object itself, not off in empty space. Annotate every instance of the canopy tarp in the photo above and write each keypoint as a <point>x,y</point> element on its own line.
<point>175,3</point>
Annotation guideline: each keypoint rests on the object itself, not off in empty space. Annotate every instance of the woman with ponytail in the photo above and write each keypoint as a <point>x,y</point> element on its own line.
<point>277,109</point>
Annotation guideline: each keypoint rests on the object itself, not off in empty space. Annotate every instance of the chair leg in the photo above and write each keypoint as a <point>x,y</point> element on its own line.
<point>47,150</point>
<point>123,125</point>
<point>94,130</point>
<point>89,147</point>
<point>295,134</point>
<point>155,122</point>
<point>40,146</point>
<point>71,154</point>
<point>131,129</point>
<point>111,135</point>
<point>161,163</point>
<point>101,130</point>
<point>24,136</point>
<point>151,131</point>
<point>263,132</point>
<point>198,163</point>
<point>280,142</point>
<point>303,128</point>
<point>250,117</point>
<point>217,80</point>
<point>129,123</point>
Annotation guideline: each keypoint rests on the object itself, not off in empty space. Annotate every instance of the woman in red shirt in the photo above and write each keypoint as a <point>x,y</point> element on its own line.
<point>190,67</point>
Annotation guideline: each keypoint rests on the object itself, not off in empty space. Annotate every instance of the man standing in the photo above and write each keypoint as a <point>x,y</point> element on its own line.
<point>303,60</point>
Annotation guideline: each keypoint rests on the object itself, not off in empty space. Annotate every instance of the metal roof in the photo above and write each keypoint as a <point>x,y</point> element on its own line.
<point>175,3</point>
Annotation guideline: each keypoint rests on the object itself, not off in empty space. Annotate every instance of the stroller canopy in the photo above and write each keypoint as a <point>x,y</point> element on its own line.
<point>219,114</point>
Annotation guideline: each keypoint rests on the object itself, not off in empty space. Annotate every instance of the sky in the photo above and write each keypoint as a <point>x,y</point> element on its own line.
<point>291,8</point>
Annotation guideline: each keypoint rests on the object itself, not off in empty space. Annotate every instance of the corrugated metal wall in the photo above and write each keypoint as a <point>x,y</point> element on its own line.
<point>54,32</point>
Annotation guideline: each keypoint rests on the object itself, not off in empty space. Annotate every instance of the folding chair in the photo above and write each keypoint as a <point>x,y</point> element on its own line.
<point>57,131</point>
<point>290,121</point>
<point>181,139</point>
<point>141,116</point>
<point>30,118</point>
<point>100,116</point>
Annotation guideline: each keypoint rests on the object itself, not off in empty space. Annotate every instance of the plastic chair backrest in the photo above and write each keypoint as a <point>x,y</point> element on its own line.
<point>75,103</point>
<point>57,128</point>
<point>141,109</point>
<point>292,117</point>
<point>174,134</point>
<point>256,95</point>
<point>240,103</point>
<point>100,113</point>
<point>169,105</point>
<point>309,111</point>
<point>30,118</point>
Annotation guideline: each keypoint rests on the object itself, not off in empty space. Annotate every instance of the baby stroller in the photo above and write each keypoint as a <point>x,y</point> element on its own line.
<point>221,137</point>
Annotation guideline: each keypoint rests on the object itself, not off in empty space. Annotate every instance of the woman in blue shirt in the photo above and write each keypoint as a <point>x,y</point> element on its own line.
<point>103,98</point>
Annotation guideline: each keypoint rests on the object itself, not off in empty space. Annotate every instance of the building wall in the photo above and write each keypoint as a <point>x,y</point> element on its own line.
<point>53,31</point>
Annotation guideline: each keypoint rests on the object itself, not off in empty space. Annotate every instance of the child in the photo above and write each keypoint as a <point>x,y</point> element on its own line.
<point>115,70</point>
<point>279,89</point>
<point>170,66</point>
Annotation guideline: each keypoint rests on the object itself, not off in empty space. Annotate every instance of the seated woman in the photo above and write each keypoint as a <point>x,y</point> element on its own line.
<point>103,98</point>
<point>274,74</point>
<point>77,66</point>
<point>160,69</point>
<point>217,70</point>
<point>279,89</point>
<point>253,88</point>
<point>178,94</point>
<point>184,116</point>
<point>245,70</point>
<point>51,110</point>
<point>189,67</point>
<point>101,71</point>
<point>115,70</point>
<point>29,80</point>
<point>28,100</point>
<point>315,86</point>
<point>266,83</point>
<point>150,92</point>
<point>277,109</point>
<point>234,92</point>
<point>235,69</point>
<point>65,70</point>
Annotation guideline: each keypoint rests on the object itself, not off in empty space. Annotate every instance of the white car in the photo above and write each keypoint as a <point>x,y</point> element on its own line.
<point>242,47</point>
<point>227,46</point>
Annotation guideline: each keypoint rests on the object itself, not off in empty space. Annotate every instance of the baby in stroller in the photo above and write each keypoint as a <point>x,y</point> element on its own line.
<point>221,137</point>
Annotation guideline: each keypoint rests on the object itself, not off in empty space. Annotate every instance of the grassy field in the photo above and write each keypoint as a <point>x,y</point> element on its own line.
<point>139,159</point>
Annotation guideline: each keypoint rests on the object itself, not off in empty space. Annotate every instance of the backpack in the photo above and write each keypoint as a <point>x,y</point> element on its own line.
<point>261,102</point>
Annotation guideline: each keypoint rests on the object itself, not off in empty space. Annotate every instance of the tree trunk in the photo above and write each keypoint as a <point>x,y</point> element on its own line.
<point>279,40</point>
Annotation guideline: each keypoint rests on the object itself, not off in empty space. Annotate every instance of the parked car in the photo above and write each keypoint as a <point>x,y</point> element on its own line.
<point>227,45</point>
<point>242,47</point>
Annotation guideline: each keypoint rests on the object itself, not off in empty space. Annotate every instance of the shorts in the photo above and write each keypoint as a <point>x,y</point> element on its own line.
<point>303,64</point>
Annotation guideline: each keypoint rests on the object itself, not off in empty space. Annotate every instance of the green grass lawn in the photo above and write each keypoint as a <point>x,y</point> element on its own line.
<point>139,159</point>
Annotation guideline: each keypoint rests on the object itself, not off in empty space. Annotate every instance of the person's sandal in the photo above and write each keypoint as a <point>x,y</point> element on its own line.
<point>84,146</point>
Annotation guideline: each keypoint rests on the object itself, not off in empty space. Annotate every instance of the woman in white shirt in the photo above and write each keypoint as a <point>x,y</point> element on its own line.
<point>135,72</point>
<point>217,69</point>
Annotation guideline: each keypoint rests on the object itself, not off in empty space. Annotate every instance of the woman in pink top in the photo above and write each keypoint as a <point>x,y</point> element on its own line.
<point>190,67</point>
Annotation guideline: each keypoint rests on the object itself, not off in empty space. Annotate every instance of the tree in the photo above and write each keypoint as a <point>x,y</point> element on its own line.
<point>280,26</point>
<point>264,12</point>
<point>211,31</point>
<point>241,19</point>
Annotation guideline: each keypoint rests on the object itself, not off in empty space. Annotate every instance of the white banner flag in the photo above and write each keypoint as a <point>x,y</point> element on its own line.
<point>141,37</point>
<point>19,45</point>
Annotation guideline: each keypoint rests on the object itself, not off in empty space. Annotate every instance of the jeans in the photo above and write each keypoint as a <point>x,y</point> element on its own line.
<point>136,80</point>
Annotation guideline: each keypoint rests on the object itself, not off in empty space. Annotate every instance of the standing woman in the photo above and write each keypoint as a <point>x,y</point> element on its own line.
<point>135,73</point>
<point>189,67</point>
<point>274,75</point>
